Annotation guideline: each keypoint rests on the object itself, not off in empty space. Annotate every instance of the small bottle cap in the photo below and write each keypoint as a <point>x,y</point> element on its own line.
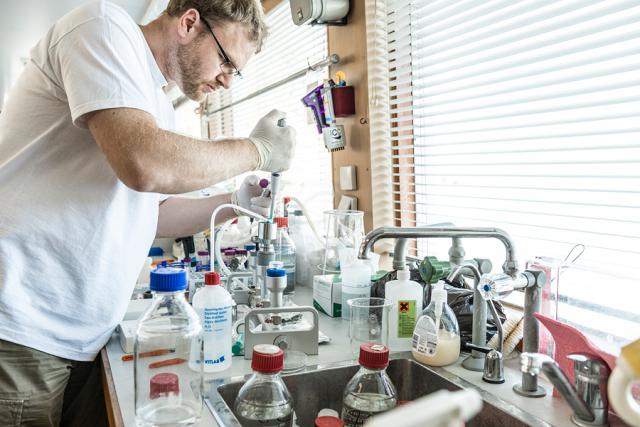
<point>404,274</point>
<point>328,412</point>
<point>187,260</point>
<point>276,272</point>
<point>286,200</point>
<point>283,222</point>
<point>164,384</point>
<point>230,252</point>
<point>264,183</point>
<point>373,355</point>
<point>328,421</point>
<point>203,253</point>
<point>267,359</point>
<point>249,247</point>
<point>212,278</point>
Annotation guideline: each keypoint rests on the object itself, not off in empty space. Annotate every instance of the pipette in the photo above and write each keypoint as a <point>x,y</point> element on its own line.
<point>275,182</point>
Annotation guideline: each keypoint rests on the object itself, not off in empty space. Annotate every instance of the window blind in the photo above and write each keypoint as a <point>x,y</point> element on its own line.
<point>288,49</point>
<point>525,116</point>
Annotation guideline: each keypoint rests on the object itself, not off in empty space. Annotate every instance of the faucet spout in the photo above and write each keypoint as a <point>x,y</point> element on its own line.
<point>588,398</point>
<point>510,265</point>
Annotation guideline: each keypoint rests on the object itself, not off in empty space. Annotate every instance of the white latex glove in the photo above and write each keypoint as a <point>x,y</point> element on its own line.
<point>276,145</point>
<point>249,196</point>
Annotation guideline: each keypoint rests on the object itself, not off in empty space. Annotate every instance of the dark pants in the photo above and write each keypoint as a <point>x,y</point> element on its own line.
<point>38,389</point>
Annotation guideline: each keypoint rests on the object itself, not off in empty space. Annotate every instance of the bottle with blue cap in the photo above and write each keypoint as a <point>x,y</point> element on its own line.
<point>276,284</point>
<point>167,390</point>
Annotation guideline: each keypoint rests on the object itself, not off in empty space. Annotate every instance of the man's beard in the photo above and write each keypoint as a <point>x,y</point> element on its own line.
<point>189,66</point>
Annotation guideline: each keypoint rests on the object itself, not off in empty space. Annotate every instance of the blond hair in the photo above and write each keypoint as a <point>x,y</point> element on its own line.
<point>219,12</point>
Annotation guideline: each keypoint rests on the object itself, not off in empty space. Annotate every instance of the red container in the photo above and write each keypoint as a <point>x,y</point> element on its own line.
<point>343,101</point>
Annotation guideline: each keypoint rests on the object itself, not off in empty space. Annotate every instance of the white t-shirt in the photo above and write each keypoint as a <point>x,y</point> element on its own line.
<point>73,237</point>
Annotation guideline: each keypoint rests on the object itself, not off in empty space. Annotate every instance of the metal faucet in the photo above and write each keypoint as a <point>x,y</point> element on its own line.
<point>456,256</point>
<point>493,371</point>
<point>588,398</point>
<point>510,265</point>
<point>475,361</point>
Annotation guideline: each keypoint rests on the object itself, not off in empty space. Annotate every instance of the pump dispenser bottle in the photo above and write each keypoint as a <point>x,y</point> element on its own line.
<point>436,338</point>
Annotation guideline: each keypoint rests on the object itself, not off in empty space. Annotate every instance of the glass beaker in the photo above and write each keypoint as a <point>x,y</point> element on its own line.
<point>343,229</point>
<point>369,322</point>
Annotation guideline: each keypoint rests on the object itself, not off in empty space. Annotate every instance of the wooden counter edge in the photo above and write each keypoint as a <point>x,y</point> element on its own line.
<point>109,389</point>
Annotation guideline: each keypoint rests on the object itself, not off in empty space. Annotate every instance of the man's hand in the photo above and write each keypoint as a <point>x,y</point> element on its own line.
<point>275,145</point>
<point>249,196</point>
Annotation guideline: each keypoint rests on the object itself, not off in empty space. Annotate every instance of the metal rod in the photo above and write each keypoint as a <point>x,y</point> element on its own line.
<point>329,60</point>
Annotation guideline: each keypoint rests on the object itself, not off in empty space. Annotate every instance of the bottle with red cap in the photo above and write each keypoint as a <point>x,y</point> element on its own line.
<point>285,251</point>
<point>213,305</point>
<point>167,392</point>
<point>370,391</point>
<point>264,399</point>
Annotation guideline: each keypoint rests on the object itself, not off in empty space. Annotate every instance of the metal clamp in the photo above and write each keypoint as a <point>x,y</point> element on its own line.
<point>305,340</point>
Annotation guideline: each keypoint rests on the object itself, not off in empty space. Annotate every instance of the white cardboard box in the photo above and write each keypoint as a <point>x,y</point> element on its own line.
<point>327,294</point>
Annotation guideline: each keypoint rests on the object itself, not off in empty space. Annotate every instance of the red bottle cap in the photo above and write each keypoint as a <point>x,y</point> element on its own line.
<point>286,200</point>
<point>328,422</point>
<point>267,359</point>
<point>163,385</point>
<point>212,278</point>
<point>283,222</point>
<point>374,356</point>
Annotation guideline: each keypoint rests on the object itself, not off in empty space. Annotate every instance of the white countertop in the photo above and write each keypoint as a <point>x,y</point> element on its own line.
<point>552,410</point>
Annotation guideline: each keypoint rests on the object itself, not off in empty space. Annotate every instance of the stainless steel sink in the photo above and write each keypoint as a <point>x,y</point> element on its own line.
<point>322,386</point>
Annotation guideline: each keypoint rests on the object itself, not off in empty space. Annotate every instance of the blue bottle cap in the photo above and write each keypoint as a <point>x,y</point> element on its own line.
<point>276,272</point>
<point>168,279</point>
<point>156,251</point>
<point>249,247</point>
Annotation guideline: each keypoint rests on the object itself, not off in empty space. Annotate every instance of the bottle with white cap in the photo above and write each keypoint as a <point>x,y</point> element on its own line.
<point>436,337</point>
<point>406,298</point>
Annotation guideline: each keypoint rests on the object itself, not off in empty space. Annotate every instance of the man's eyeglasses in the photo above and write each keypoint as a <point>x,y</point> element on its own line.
<point>226,66</point>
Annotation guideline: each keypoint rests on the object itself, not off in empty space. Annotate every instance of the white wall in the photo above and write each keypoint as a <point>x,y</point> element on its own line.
<point>23,22</point>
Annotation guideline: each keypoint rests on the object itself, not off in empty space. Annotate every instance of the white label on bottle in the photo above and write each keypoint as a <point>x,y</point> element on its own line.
<point>425,337</point>
<point>215,318</point>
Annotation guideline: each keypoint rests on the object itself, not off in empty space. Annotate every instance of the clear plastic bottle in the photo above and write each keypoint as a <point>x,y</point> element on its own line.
<point>285,251</point>
<point>204,258</point>
<point>264,399</point>
<point>213,305</point>
<point>436,338</point>
<point>406,297</point>
<point>167,391</point>
<point>370,391</point>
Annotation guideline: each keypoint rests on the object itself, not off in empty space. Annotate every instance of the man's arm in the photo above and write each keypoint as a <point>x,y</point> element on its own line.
<point>181,216</point>
<point>149,159</point>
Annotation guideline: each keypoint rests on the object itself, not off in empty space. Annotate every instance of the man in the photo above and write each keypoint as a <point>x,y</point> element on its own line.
<point>86,155</point>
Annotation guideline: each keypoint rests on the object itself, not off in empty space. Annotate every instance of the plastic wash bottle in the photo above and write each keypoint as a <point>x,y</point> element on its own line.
<point>213,305</point>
